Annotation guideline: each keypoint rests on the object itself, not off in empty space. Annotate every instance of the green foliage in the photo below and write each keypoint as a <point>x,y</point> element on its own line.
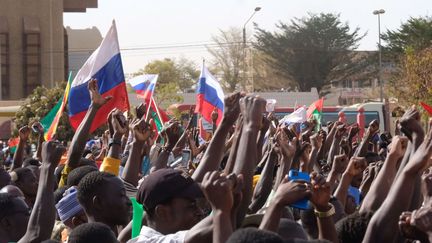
<point>414,81</point>
<point>37,106</point>
<point>174,77</point>
<point>413,35</point>
<point>310,51</point>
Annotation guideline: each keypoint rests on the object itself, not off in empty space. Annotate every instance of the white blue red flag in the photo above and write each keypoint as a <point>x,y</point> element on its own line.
<point>210,96</point>
<point>144,85</point>
<point>105,65</point>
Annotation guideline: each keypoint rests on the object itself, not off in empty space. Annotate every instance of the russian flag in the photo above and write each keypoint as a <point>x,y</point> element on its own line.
<point>105,65</point>
<point>209,96</point>
<point>144,85</point>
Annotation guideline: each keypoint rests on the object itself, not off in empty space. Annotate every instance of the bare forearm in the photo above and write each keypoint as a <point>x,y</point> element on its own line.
<point>79,139</point>
<point>42,219</point>
<point>381,185</point>
<point>384,224</point>
<point>18,156</point>
<point>213,155</point>
<point>272,218</point>
<point>41,139</point>
<point>115,149</point>
<point>362,148</point>
<point>133,164</point>
<point>245,164</point>
<point>327,229</point>
<point>313,160</point>
<point>222,226</point>
<point>334,150</point>
<point>342,190</point>
<point>284,167</point>
<point>264,185</point>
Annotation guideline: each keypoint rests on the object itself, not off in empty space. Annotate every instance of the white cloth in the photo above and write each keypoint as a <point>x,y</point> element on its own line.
<point>149,235</point>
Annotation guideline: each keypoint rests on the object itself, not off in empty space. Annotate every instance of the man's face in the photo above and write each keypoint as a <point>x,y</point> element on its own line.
<point>117,206</point>
<point>17,219</point>
<point>184,213</point>
<point>28,183</point>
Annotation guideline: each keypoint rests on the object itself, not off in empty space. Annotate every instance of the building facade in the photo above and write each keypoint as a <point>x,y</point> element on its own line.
<point>34,44</point>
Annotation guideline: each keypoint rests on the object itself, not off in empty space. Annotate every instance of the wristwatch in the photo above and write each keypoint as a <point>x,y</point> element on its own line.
<point>329,213</point>
<point>113,141</point>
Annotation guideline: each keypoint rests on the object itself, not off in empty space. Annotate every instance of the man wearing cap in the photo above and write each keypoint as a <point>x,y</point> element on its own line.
<point>169,200</point>
<point>70,211</point>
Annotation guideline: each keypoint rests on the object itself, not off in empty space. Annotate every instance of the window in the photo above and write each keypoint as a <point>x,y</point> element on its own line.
<point>5,68</point>
<point>32,62</point>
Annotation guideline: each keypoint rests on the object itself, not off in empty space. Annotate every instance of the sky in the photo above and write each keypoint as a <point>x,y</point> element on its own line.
<point>150,30</point>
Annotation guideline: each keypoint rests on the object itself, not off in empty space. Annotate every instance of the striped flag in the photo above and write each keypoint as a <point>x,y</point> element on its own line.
<point>104,65</point>
<point>51,120</point>
<point>158,115</point>
<point>13,144</point>
<point>144,85</point>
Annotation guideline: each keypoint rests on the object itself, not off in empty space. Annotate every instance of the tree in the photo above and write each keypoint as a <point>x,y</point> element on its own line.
<point>415,34</point>
<point>174,77</point>
<point>229,58</point>
<point>37,106</point>
<point>312,50</point>
<point>414,81</point>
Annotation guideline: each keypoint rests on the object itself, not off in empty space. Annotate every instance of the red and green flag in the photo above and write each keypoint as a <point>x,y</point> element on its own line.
<point>13,144</point>
<point>315,111</point>
<point>51,120</point>
<point>158,115</point>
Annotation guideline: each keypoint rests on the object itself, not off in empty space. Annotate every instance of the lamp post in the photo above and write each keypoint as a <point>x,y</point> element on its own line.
<point>379,12</point>
<point>244,36</point>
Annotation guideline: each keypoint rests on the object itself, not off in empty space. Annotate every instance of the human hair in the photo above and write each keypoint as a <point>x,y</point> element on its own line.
<point>20,172</point>
<point>30,161</point>
<point>6,204</point>
<point>252,235</point>
<point>58,194</point>
<point>92,232</point>
<point>76,175</point>
<point>353,227</point>
<point>90,186</point>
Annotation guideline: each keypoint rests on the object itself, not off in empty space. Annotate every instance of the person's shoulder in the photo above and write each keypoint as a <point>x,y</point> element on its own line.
<point>149,235</point>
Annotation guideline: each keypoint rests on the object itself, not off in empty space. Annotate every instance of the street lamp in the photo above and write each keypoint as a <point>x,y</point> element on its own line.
<point>247,21</point>
<point>244,40</point>
<point>379,12</point>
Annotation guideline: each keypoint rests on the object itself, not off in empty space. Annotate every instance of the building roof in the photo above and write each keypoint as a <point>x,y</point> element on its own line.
<point>83,39</point>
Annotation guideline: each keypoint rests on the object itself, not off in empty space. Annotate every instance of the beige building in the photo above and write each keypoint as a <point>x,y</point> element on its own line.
<point>33,43</point>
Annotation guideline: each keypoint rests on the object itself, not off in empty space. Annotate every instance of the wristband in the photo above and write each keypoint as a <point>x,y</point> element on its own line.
<point>327,214</point>
<point>112,142</point>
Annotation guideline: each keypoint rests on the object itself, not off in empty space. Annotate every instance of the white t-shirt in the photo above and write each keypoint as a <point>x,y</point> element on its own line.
<point>149,235</point>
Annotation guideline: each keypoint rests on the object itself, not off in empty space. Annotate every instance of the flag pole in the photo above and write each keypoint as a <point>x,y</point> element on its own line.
<point>157,109</point>
<point>147,117</point>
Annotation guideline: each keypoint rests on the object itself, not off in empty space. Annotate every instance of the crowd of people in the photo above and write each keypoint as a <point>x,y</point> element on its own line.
<point>255,180</point>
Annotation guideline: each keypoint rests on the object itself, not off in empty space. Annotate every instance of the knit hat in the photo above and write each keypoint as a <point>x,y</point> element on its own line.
<point>68,206</point>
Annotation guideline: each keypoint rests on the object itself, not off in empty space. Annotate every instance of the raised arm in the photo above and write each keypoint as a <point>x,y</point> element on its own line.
<point>252,109</point>
<point>24,133</point>
<point>142,132</point>
<point>172,136</point>
<point>324,211</point>
<point>119,124</point>
<point>42,218</point>
<point>41,139</point>
<point>213,155</point>
<point>287,193</point>
<point>287,151</point>
<point>381,185</point>
<point>264,185</point>
<point>356,166</point>
<point>80,137</point>
<point>383,226</point>
<point>371,131</point>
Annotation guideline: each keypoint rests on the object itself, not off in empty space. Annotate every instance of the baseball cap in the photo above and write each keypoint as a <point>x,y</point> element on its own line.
<point>165,184</point>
